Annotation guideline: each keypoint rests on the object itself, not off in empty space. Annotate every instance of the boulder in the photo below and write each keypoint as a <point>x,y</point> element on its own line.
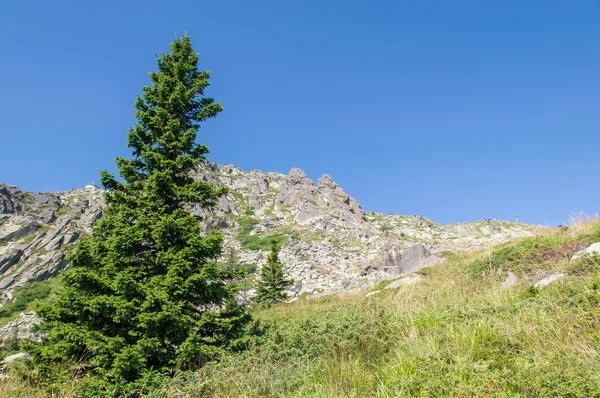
<point>21,328</point>
<point>20,356</point>
<point>417,257</point>
<point>548,280</point>
<point>18,227</point>
<point>591,250</point>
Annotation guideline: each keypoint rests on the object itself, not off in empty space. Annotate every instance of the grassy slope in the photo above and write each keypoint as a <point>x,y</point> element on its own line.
<point>455,334</point>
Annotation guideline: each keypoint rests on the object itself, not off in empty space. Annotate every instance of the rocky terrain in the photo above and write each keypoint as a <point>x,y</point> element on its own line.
<point>38,230</point>
<point>330,244</point>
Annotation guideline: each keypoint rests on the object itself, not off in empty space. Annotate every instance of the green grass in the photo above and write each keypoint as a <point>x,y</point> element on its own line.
<point>61,211</point>
<point>456,334</point>
<point>256,241</point>
<point>24,297</point>
<point>538,253</point>
<point>451,335</point>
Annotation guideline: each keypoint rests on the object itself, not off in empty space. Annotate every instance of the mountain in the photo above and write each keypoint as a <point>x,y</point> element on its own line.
<point>330,244</point>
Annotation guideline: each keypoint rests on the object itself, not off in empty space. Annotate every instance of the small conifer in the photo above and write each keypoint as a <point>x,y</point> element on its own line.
<point>272,285</point>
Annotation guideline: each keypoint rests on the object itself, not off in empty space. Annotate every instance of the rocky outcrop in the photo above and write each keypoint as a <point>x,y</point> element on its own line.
<point>330,244</point>
<point>21,329</point>
<point>593,249</point>
<point>38,230</point>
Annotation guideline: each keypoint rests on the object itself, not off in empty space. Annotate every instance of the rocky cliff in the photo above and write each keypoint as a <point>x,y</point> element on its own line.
<point>330,243</point>
<point>38,230</point>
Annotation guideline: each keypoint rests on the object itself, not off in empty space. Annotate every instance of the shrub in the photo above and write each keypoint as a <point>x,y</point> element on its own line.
<point>256,242</point>
<point>24,297</point>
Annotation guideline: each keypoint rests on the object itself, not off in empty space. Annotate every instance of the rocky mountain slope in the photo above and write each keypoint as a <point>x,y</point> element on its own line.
<point>38,230</point>
<point>330,243</point>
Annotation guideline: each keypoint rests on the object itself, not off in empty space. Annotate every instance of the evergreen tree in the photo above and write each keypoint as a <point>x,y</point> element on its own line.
<point>143,293</point>
<point>273,284</point>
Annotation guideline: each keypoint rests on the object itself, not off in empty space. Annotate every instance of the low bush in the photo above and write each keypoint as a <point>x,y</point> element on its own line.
<point>24,297</point>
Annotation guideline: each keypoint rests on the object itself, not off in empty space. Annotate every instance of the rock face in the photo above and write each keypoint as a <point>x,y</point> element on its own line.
<point>330,244</point>
<point>38,230</point>
<point>21,328</point>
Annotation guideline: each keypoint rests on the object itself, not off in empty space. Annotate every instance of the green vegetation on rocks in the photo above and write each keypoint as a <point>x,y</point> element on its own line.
<point>24,298</point>
<point>256,242</point>
<point>542,252</point>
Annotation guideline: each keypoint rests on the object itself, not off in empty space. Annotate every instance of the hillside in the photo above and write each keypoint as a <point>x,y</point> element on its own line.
<point>517,320</point>
<point>330,244</point>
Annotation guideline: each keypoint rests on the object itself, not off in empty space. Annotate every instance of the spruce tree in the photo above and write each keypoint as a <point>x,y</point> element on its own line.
<point>143,293</point>
<point>272,285</point>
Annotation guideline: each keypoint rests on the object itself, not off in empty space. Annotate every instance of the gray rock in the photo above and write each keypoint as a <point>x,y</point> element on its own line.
<point>17,228</point>
<point>367,268</point>
<point>55,243</point>
<point>71,237</point>
<point>47,216</point>
<point>89,218</point>
<point>9,259</point>
<point>295,289</point>
<point>592,249</point>
<point>7,282</point>
<point>409,280</point>
<point>21,328</point>
<point>548,280</point>
<point>510,281</point>
<point>21,356</point>
<point>7,205</point>
<point>417,257</point>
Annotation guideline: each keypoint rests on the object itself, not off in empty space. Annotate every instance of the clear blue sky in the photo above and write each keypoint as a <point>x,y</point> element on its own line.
<point>454,110</point>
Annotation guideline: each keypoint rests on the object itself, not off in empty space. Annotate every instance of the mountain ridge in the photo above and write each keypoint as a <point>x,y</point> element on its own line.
<point>330,244</point>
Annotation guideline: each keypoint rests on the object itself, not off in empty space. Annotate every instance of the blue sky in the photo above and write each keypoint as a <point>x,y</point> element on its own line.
<point>456,111</point>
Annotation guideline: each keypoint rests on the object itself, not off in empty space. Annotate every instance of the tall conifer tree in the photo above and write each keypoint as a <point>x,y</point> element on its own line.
<point>143,292</point>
